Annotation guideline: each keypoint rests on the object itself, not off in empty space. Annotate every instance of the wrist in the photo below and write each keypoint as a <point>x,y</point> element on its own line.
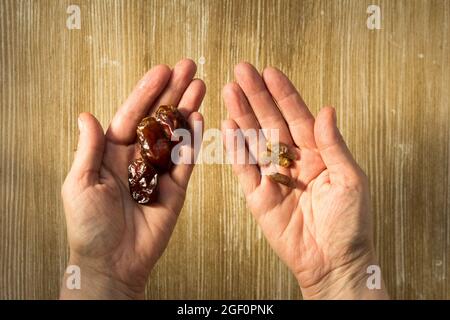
<point>349,282</point>
<point>96,285</point>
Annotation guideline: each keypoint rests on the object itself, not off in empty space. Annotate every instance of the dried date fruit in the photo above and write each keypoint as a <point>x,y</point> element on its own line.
<point>155,146</point>
<point>267,157</point>
<point>283,179</point>
<point>278,153</point>
<point>154,137</point>
<point>281,149</point>
<point>170,119</point>
<point>282,153</point>
<point>284,161</point>
<point>143,181</point>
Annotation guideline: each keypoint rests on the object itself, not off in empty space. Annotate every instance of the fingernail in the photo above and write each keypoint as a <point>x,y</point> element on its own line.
<point>80,124</point>
<point>80,128</point>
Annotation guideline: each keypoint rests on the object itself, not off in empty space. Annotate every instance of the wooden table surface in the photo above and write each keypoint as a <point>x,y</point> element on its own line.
<point>391,88</point>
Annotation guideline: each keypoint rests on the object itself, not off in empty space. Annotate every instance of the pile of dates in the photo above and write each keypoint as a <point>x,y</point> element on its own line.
<point>154,135</point>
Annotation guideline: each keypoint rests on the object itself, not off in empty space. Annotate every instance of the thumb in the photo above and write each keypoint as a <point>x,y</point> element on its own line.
<point>335,154</point>
<point>91,144</point>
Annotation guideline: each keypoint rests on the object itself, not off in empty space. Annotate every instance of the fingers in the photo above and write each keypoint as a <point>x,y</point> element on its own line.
<point>89,155</point>
<point>293,108</point>
<point>261,102</point>
<point>182,171</point>
<point>247,173</point>
<point>192,97</point>
<point>159,86</point>
<point>240,111</point>
<point>182,75</point>
<point>173,187</point>
<point>189,104</point>
<point>122,129</point>
<point>339,161</point>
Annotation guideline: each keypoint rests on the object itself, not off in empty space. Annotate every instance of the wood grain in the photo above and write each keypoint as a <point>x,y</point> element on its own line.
<point>390,87</point>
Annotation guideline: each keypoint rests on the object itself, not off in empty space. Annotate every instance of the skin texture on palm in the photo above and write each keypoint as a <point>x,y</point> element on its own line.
<point>114,240</point>
<point>322,228</point>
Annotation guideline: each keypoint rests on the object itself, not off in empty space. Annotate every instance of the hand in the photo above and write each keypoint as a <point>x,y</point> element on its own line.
<point>115,241</point>
<point>321,228</point>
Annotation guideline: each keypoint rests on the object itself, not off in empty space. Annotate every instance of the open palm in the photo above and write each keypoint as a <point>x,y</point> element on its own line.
<point>322,224</point>
<point>109,233</point>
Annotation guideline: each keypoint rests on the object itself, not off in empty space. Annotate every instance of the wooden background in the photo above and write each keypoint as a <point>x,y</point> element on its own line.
<point>390,87</point>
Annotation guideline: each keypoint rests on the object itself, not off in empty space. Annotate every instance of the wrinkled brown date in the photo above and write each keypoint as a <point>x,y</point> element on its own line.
<point>143,181</point>
<point>170,119</point>
<point>153,135</point>
<point>155,147</point>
